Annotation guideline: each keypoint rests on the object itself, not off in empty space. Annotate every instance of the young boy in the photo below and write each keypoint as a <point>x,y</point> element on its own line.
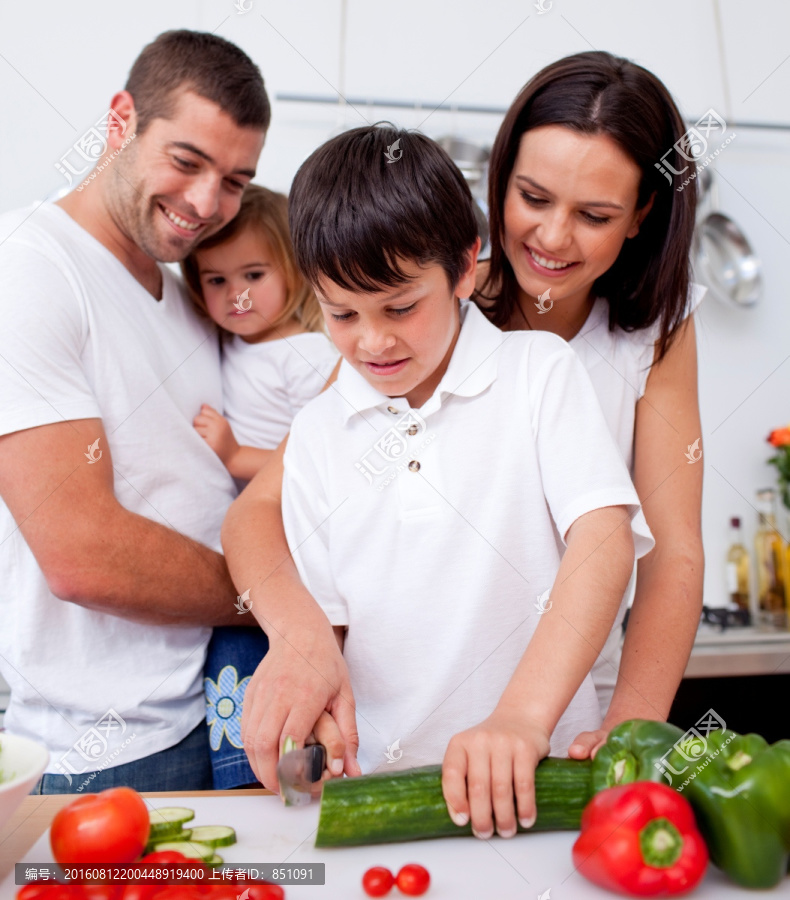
<point>455,502</point>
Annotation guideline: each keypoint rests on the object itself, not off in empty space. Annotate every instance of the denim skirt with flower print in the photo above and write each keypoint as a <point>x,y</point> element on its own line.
<point>232,657</point>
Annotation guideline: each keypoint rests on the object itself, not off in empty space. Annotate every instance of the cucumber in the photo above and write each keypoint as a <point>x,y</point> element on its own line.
<point>190,849</point>
<point>180,837</point>
<point>408,805</point>
<point>214,835</point>
<point>168,820</point>
<point>214,861</point>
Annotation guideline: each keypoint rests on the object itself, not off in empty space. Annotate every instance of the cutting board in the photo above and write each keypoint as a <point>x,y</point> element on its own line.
<point>522,868</point>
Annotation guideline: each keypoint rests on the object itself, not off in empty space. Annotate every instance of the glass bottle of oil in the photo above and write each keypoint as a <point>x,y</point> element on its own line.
<point>738,570</point>
<point>770,554</point>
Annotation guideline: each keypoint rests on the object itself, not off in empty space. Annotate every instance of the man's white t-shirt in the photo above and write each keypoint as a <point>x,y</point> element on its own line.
<point>618,363</point>
<point>435,534</point>
<point>81,338</point>
<point>264,385</point>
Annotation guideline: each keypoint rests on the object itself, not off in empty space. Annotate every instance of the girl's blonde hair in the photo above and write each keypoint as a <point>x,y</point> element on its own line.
<point>265,212</point>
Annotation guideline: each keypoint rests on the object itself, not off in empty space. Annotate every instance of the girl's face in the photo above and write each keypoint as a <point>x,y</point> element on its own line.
<point>244,286</point>
<point>570,205</point>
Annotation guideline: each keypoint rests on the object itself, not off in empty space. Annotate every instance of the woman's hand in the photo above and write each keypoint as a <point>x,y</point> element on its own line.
<point>485,765</point>
<point>587,744</point>
<point>216,432</point>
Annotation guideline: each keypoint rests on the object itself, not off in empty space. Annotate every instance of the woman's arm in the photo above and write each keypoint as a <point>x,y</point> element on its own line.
<point>668,600</point>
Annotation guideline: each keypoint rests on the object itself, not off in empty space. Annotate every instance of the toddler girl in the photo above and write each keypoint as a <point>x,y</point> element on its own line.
<point>275,358</point>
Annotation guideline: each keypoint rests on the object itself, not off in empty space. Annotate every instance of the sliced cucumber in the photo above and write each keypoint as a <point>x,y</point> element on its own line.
<point>214,835</point>
<point>169,820</point>
<point>190,849</point>
<point>213,861</point>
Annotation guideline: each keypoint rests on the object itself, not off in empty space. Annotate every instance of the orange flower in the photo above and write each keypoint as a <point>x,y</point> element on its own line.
<point>780,437</point>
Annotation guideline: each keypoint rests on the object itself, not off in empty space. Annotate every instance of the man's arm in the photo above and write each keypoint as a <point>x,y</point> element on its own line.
<point>304,673</point>
<point>93,551</point>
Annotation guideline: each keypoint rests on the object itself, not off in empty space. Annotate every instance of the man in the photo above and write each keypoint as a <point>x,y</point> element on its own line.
<point>111,501</point>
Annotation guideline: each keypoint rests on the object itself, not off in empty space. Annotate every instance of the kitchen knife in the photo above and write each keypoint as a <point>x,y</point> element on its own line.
<point>298,771</point>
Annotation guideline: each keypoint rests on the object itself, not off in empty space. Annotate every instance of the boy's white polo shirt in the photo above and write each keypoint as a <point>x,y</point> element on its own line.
<point>434,534</point>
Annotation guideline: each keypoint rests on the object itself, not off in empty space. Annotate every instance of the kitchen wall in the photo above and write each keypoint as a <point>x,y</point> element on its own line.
<point>60,64</point>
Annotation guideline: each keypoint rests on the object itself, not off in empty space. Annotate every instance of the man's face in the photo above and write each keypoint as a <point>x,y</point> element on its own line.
<point>183,178</point>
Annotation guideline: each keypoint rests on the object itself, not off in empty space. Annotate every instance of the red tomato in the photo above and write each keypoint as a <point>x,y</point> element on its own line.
<point>100,891</point>
<point>49,892</point>
<point>413,880</point>
<point>377,881</point>
<point>101,829</point>
<point>138,892</point>
<point>265,892</point>
<point>165,858</point>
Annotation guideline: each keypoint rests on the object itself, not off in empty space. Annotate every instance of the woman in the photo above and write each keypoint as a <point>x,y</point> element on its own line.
<point>578,212</point>
<point>581,217</point>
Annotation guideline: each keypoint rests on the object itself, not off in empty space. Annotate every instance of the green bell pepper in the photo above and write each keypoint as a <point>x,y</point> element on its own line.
<point>738,786</point>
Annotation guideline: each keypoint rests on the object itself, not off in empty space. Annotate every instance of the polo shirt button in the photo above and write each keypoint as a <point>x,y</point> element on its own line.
<point>392,410</point>
<point>414,466</point>
<point>413,429</point>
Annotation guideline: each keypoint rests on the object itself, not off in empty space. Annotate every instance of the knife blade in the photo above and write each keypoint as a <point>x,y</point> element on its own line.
<point>298,771</point>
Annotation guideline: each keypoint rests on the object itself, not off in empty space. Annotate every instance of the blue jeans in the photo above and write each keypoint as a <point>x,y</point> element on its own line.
<point>183,767</point>
<point>232,657</point>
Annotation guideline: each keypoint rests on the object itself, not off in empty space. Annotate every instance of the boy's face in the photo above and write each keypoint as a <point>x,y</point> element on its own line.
<point>399,339</point>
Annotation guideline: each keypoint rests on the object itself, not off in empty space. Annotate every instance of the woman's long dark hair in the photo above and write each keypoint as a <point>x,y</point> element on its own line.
<point>597,93</point>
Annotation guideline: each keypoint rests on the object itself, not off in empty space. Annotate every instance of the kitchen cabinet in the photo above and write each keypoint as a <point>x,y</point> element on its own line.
<point>481,56</point>
<point>757,58</point>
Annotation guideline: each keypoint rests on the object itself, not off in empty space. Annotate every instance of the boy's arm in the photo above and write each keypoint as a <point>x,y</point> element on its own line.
<point>304,673</point>
<point>484,764</point>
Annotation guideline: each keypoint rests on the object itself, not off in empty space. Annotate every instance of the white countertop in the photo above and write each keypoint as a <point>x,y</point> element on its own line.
<point>738,651</point>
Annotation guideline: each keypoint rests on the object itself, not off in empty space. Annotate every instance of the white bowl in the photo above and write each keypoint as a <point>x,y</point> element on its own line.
<point>22,763</point>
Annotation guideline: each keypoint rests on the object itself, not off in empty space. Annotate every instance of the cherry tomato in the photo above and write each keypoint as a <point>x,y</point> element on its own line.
<point>413,880</point>
<point>166,858</point>
<point>101,829</point>
<point>49,892</point>
<point>377,881</point>
<point>265,892</point>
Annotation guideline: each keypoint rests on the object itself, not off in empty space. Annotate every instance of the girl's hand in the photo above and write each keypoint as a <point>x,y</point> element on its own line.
<point>587,744</point>
<point>216,432</point>
<point>485,764</point>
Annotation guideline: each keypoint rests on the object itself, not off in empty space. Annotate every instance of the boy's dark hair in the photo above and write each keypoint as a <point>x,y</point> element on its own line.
<point>373,198</point>
<point>210,66</point>
<point>598,93</point>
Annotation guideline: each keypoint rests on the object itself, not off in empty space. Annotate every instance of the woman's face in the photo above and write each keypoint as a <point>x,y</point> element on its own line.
<point>569,206</point>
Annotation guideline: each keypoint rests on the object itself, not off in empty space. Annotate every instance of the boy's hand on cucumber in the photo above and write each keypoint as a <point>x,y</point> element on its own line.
<point>216,432</point>
<point>486,765</point>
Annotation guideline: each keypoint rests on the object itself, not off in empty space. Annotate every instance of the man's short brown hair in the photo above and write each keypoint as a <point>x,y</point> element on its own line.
<point>206,64</point>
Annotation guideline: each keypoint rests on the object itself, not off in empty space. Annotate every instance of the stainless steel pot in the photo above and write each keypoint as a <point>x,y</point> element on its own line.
<point>726,262</point>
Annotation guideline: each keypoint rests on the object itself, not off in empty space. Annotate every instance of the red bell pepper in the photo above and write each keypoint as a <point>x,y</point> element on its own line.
<point>641,839</point>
